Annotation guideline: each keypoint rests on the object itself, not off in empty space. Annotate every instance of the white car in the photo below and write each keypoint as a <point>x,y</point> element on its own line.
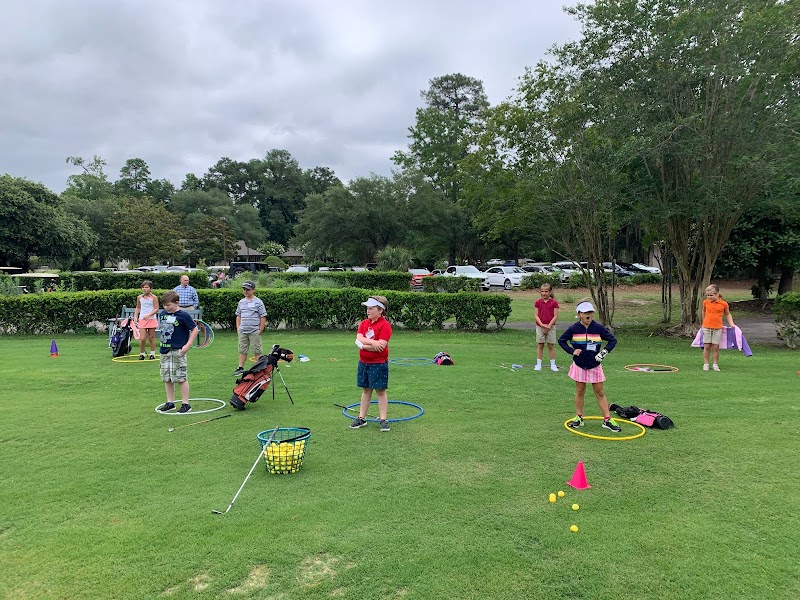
<point>297,269</point>
<point>507,277</point>
<point>464,271</point>
<point>647,268</point>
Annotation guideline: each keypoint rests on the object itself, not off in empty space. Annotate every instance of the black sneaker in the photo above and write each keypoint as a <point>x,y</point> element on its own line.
<point>166,407</point>
<point>576,422</point>
<point>612,425</point>
<point>141,357</point>
<point>384,425</point>
<point>184,408</point>
<point>238,372</point>
<point>357,422</point>
<point>152,357</point>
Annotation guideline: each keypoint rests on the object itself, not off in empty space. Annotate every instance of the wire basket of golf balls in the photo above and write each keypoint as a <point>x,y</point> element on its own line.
<point>286,451</point>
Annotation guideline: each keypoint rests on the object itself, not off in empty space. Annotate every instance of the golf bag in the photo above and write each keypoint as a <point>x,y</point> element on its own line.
<point>443,358</point>
<point>121,339</point>
<point>257,378</point>
<point>643,416</point>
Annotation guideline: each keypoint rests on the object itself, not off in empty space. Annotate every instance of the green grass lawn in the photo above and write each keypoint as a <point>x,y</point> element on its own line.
<point>99,500</point>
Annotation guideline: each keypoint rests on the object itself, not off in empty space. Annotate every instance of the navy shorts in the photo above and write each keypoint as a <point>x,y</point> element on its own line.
<point>373,375</point>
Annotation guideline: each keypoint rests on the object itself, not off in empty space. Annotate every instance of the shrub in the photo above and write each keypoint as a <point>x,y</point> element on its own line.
<point>60,312</point>
<point>787,318</point>
<point>535,280</point>
<point>450,285</point>
<point>86,281</point>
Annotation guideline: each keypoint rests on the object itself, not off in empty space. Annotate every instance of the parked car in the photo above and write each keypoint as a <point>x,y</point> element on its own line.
<point>417,275</point>
<point>494,262</point>
<point>507,277</point>
<point>646,268</point>
<point>567,268</point>
<point>358,269</point>
<point>546,269</point>
<point>464,271</point>
<point>297,269</point>
<point>239,267</point>
<point>618,269</point>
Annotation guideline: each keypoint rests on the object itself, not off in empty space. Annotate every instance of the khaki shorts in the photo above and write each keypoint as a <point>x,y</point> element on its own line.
<point>250,341</point>
<point>545,338</point>
<point>173,366</point>
<point>712,336</point>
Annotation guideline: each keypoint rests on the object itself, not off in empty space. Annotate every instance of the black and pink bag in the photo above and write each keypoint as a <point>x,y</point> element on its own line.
<point>643,416</point>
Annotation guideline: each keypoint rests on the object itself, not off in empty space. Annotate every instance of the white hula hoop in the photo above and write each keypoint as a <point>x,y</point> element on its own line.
<point>175,413</point>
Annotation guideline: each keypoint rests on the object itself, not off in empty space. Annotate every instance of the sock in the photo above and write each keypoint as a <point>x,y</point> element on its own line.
<point>539,362</point>
<point>141,353</point>
<point>606,419</point>
<point>552,362</point>
<point>580,416</point>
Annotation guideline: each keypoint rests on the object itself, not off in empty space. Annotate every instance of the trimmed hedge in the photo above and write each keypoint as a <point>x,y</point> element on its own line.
<point>300,308</point>
<point>84,281</point>
<point>786,311</point>
<point>450,285</point>
<point>374,280</point>
<point>535,280</point>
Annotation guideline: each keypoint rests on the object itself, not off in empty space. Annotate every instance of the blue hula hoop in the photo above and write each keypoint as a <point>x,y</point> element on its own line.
<point>358,405</point>
<point>411,362</point>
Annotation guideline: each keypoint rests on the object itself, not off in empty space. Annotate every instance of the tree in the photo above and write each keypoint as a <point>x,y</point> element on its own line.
<point>33,222</point>
<point>281,194</point>
<point>445,132</point>
<point>144,231</point>
<point>90,196</point>
<point>319,179</point>
<point>134,178</point>
<point>697,94</point>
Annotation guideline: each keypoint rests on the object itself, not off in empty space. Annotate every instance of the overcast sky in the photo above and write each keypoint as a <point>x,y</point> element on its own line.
<point>182,83</point>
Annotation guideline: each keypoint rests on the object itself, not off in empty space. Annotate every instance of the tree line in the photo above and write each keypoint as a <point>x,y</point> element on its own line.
<point>670,125</point>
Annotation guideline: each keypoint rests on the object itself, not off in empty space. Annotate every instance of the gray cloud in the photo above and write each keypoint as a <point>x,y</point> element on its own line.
<point>185,82</point>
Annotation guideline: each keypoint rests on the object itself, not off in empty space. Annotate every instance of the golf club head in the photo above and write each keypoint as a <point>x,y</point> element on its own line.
<point>218,512</point>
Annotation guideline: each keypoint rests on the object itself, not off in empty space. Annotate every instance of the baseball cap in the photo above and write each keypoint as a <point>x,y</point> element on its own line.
<point>373,302</point>
<point>249,285</point>
<point>584,307</point>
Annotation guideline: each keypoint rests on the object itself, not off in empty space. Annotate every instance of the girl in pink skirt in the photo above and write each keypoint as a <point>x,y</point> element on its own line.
<point>583,340</point>
<point>145,318</point>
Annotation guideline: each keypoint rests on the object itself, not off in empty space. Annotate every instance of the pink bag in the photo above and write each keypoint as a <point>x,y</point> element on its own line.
<point>646,418</point>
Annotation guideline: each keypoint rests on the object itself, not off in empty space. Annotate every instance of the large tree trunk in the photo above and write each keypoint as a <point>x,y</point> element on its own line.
<point>787,280</point>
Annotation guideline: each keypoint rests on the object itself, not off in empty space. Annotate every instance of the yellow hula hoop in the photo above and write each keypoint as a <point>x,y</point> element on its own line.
<point>665,369</point>
<point>129,360</point>
<point>607,437</point>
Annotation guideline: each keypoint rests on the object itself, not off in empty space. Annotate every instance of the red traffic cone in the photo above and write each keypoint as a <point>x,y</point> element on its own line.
<point>578,480</point>
<point>53,350</point>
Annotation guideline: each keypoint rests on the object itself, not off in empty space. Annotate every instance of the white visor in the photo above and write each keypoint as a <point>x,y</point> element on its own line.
<point>584,307</point>
<point>373,302</point>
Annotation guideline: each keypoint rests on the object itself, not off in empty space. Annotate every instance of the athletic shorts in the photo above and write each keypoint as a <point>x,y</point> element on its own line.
<point>173,366</point>
<point>595,375</point>
<point>373,376</point>
<point>545,338</point>
<point>250,341</point>
<point>712,336</point>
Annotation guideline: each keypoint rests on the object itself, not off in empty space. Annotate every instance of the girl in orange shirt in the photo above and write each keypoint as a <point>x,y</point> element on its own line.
<point>714,307</point>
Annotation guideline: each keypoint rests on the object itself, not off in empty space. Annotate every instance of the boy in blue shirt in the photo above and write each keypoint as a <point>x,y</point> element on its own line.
<point>178,332</point>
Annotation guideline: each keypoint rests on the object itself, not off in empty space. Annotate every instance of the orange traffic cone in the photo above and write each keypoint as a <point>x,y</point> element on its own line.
<point>53,350</point>
<point>578,480</point>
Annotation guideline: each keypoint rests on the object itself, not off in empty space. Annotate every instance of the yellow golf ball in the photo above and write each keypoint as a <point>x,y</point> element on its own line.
<point>574,528</point>
<point>575,507</point>
<point>552,498</point>
<point>560,494</point>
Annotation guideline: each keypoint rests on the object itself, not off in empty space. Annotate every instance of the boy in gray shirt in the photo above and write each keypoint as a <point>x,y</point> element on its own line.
<point>251,316</point>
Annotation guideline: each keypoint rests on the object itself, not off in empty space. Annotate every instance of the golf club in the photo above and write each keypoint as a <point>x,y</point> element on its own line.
<point>197,423</point>
<point>253,468</point>
<point>353,409</point>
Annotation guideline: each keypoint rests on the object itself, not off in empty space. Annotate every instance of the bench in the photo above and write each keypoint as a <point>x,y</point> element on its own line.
<point>127,313</point>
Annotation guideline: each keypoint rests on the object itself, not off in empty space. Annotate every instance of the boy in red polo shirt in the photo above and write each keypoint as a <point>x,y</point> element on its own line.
<point>546,311</point>
<point>372,340</point>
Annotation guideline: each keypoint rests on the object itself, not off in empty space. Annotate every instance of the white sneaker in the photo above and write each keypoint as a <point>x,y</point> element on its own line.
<point>537,368</point>
<point>554,368</point>
<point>705,367</point>
<point>715,367</point>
